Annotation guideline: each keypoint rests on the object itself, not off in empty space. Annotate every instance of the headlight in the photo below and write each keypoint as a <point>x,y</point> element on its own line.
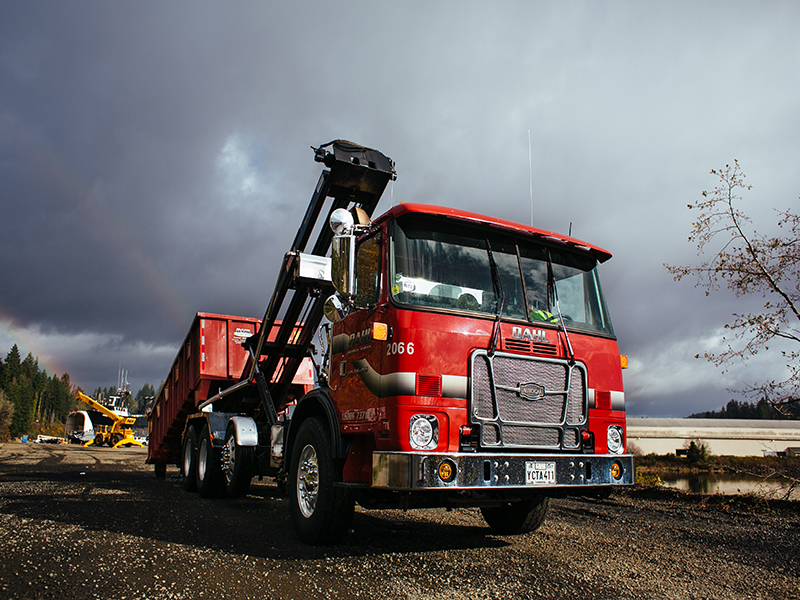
<point>614,439</point>
<point>423,432</point>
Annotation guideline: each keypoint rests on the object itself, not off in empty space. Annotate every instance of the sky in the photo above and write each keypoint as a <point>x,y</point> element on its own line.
<point>155,160</point>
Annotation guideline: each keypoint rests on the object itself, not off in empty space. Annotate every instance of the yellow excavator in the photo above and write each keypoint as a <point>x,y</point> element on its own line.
<point>116,434</point>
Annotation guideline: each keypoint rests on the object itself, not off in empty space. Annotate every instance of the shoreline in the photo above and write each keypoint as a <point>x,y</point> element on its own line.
<point>755,466</point>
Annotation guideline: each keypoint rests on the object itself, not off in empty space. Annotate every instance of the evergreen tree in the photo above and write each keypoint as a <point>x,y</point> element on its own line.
<point>67,397</point>
<point>6,415</point>
<point>763,409</point>
<point>29,367</point>
<point>13,366</point>
<point>144,397</point>
<point>21,396</point>
<point>697,453</point>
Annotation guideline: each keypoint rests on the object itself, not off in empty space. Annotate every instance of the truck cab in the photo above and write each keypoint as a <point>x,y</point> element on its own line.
<point>473,362</point>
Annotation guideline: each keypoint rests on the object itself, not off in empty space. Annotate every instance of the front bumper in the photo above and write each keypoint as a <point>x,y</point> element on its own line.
<point>420,471</point>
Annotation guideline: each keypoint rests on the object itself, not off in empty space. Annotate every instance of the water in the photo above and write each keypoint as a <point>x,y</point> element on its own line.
<point>730,484</point>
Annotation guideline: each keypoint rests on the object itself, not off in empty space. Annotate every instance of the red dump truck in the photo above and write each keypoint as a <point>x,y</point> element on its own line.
<point>464,360</point>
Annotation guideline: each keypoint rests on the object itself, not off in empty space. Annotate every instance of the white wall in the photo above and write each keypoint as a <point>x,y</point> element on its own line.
<point>722,437</point>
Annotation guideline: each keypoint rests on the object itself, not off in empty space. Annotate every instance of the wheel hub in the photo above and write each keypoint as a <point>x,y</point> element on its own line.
<point>308,481</point>
<point>229,458</point>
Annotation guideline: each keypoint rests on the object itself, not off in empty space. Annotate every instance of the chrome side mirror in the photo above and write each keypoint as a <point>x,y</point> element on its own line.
<point>343,252</point>
<point>333,309</point>
<point>342,222</point>
<point>343,264</point>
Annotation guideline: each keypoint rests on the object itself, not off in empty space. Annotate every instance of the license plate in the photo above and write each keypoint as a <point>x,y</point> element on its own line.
<point>540,473</point>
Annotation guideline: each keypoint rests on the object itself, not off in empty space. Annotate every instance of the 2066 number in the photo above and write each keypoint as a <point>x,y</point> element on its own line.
<point>399,348</point>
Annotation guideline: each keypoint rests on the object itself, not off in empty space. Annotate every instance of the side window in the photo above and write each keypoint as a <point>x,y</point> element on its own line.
<point>368,272</point>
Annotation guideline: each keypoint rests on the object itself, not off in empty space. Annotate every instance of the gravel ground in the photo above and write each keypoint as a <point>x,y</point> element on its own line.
<point>81,523</point>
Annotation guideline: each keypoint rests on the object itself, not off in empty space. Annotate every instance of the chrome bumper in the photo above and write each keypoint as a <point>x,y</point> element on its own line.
<point>420,471</point>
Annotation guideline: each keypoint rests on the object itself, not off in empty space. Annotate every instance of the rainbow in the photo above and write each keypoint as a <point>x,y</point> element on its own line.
<point>28,341</point>
<point>144,269</point>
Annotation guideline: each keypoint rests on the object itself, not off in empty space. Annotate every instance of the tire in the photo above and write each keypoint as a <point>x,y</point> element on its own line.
<point>115,439</point>
<point>98,440</point>
<point>512,518</point>
<point>236,465</point>
<point>321,512</point>
<point>210,482</point>
<point>189,462</point>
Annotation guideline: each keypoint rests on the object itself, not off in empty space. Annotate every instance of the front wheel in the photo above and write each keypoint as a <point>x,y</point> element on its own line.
<point>512,518</point>
<point>321,512</point>
<point>236,465</point>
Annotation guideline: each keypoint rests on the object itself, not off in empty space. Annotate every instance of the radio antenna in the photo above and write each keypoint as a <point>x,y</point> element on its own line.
<point>530,173</point>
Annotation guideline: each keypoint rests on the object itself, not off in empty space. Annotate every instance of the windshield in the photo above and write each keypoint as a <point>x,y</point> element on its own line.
<point>434,267</point>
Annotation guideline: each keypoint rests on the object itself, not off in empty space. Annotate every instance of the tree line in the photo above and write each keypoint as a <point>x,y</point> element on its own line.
<point>33,401</point>
<point>30,399</point>
<point>763,409</point>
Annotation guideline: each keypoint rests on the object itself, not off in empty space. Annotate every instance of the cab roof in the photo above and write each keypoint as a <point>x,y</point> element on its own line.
<point>509,226</point>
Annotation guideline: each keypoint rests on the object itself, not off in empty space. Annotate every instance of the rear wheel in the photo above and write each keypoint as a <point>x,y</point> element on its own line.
<point>210,482</point>
<point>236,465</point>
<point>187,465</point>
<point>512,518</point>
<point>115,439</point>
<point>321,512</point>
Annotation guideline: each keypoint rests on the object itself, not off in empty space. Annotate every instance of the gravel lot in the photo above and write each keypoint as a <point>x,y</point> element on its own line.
<point>81,523</point>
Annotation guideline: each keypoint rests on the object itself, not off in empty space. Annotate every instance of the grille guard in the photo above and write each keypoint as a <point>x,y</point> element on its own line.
<point>527,402</point>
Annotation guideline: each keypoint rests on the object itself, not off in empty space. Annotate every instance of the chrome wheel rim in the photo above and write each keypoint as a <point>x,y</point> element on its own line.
<point>187,460</point>
<point>201,460</point>
<point>307,481</point>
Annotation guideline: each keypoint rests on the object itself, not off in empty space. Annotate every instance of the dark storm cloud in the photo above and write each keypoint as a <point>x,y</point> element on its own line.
<point>154,157</point>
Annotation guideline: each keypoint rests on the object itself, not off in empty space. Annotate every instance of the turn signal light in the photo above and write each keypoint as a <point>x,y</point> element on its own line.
<point>447,470</point>
<point>616,470</point>
<point>380,332</point>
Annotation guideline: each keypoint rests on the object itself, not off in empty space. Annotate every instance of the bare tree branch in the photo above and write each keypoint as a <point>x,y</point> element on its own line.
<point>749,263</point>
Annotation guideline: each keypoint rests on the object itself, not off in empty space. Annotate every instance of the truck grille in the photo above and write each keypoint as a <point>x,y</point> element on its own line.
<point>526,402</point>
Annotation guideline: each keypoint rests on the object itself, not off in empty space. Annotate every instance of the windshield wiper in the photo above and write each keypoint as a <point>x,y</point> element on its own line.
<point>551,282</point>
<point>498,288</point>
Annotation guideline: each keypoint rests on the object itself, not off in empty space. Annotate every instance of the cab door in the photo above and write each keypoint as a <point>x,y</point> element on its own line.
<point>356,356</point>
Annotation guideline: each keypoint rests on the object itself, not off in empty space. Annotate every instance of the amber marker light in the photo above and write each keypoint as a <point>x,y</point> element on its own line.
<point>447,470</point>
<point>616,470</point>
<point>623,361</point>
<point>380,332</point>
